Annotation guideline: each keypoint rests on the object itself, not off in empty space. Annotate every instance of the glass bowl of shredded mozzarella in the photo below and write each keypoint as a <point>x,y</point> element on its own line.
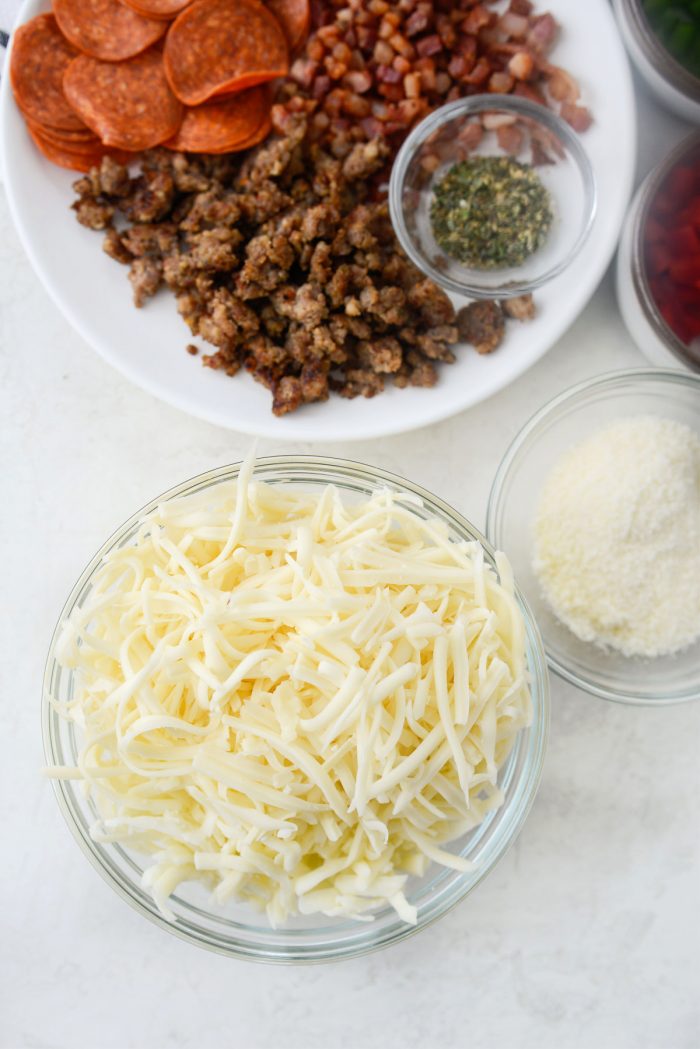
<point>295,709</point>
<point>597,501</point>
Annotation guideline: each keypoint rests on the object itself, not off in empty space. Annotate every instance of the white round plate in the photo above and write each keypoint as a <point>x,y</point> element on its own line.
<point>148,345</point>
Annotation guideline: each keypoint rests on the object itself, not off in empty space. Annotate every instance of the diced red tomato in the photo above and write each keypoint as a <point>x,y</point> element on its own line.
<point>692,327</point>
<point>683,240</point>
<point>685,270</point>
<point>690,215</point>
<point>658,258</point>
<point>655,231</point>
<point>682,181</point>
<point>688,295</point>
<point>672,252</point>
<point>664,204</point>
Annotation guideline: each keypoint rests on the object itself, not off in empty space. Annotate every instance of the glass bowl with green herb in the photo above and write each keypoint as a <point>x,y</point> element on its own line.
<point>491,198</point>
<point>663,40</point>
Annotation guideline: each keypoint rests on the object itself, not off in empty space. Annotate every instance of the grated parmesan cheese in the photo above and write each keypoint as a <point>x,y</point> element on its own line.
<point>295,699</point>
<point>617,537</point>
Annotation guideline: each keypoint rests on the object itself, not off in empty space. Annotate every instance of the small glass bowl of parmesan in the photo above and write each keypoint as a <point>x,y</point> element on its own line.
<point>295,710</point>
<point>492,196</point>
<point>597,501</point>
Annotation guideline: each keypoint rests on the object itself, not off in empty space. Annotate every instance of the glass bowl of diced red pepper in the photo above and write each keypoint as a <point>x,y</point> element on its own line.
<point>665,252</point>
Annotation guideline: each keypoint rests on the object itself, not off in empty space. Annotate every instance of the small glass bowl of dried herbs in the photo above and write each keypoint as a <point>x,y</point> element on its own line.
<point>490,213</point>
<point>492,198</point>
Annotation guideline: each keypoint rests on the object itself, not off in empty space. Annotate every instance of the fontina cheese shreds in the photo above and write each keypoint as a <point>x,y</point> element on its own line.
<point>297,699</point>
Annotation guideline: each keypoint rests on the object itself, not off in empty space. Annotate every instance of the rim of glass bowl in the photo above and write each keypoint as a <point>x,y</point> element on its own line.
<point>548,413</point>
<point>343,938</point>
<point>467,107</point>
<point>640,281</point>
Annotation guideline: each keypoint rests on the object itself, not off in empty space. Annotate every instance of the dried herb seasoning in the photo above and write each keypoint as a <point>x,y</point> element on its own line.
<point>490,212</point>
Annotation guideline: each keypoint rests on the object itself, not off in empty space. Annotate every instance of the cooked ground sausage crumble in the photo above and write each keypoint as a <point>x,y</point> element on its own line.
<point>279,261</point>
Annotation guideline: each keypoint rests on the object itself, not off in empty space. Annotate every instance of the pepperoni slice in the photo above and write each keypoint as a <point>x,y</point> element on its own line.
<point>74,161</point>
<point>40,57</point>
<point>216,46</point>
<point>158,8</point>
<point>128,104</point>
<point>71,141</point>
<point>221,126</point>
<point>106,29</point>
<point>261,133</point>
<point>295,18</point>
<point>81,134</point>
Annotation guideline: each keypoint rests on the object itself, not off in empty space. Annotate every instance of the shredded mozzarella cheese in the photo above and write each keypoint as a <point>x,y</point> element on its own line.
<point>296,699</point>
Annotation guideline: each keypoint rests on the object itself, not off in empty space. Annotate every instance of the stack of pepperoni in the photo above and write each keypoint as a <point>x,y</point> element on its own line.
<point>118,77</point>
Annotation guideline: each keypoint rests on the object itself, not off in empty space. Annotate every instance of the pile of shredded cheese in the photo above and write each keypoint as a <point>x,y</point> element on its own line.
<point>617,537</point>
<point>295,699</point>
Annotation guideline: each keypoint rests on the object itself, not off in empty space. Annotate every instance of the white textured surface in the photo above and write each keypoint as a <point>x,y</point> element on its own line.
<point>585,936</point>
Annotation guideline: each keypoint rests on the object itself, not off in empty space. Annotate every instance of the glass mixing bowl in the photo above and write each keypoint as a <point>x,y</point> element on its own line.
<point>563,422</point>
<point>673,84</point>
<point>638,307</point>
<point>236,929</point>
<point>479,126</point>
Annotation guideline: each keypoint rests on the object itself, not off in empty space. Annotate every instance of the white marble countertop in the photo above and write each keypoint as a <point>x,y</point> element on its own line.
<point>585,935</point>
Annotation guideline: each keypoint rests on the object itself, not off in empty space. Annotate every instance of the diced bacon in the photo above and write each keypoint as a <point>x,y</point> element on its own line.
<point>579,117</point>
<point>521,65</point>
